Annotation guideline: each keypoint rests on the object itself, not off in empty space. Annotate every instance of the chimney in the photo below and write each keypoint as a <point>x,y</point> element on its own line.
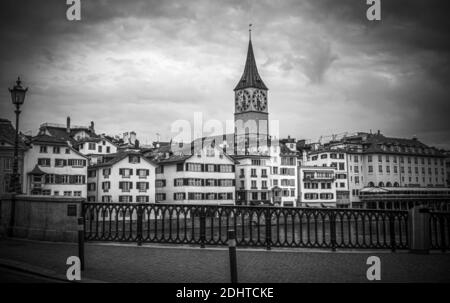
<point>378,132</point>
<point>132,137</point>
<point>92,127</point>
<point>68,125</point>
<point>125,137</point>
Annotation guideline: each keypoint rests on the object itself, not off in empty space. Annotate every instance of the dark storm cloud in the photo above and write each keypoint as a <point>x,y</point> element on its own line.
<point>148,63</point>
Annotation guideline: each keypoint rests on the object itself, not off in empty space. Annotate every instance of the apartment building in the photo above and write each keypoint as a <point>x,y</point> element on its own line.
<point>283,175</point>
<point>316,187</point>
<point>95,148</point>
<point>204,176</point>
<point>335,159</point>
<point>53,167</point>
<point>122,177</point>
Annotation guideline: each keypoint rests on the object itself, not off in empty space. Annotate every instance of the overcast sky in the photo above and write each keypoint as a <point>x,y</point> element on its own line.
<point>140,65</point>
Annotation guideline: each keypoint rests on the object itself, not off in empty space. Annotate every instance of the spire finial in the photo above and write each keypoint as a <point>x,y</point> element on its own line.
<point>250,31</point>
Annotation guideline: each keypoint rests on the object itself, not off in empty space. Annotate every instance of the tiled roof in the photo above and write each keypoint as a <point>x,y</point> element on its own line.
<point>48,140</point>
<point>250,77</point>
<point>114,158</point>
<point>37,171</point>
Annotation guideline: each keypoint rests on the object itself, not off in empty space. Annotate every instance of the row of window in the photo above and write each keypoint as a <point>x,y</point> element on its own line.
<point>316,196</point>
<point>62,162</point>
<point>201,196</point>
<point>43,149</point>
<point>315,185</point>
<point>66,193</point>
<point>401,159</point>
<point>199,167</point>
<point>61,179</point>
<point>200,182</point>
<point>124,172</point>
<point>122,199</point>
<point>325,156</point>
<point>402,170</point>
<point>91,146</point>
<point>125,186</point>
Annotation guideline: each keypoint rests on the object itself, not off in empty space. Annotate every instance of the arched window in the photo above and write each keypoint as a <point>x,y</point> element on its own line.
<point>371,184</point>
<point>396,184</point>
<point>381,184</point>
<point>388,184</point>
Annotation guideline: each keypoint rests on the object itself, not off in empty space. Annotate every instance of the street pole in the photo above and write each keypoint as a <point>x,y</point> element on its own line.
<point>15,177</point>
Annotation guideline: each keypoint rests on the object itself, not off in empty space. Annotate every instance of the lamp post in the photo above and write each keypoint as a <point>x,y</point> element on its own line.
<point>17,97</point>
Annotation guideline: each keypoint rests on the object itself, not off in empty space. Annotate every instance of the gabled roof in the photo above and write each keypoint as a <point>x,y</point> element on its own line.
<point>8,133</point>
<point>115,158</point>
<point>250,77</point>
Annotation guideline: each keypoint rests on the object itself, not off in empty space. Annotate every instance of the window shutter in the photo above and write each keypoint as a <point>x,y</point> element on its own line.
<point>147,171</point>
<point>131,185</point>
<point>147,185</point>
<point>185,181</point>
<point>174,196</point>
<point>131,171</point>
<point>137,171</point>
<point>131,198</point>
<point>233,168</point>
<point>120,185</point>
<point>203,167</point>
<point>184,196</point>
<point>121,171</point>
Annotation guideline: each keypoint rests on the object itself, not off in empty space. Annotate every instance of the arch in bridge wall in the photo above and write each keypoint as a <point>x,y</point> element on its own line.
<point>381,184</point>
<point>396,184</point>
<point>388,184</point>
<point>371,184</point>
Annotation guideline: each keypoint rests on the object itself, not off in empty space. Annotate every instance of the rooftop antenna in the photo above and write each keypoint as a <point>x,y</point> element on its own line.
<point>250,31</point>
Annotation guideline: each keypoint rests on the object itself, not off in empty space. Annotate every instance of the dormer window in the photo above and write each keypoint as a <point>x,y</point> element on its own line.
<point>134,159</point>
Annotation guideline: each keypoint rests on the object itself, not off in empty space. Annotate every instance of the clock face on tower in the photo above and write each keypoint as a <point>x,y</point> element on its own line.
<point>242,100</point>
<point>259,100</point>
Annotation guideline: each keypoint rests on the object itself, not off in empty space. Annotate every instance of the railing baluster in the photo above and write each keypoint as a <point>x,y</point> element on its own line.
<point>333,230</point>
<point>139,225</point>
<point>442,228</point>
<point>392,232</point>
<point>202,227</point>
<point>268,217</point>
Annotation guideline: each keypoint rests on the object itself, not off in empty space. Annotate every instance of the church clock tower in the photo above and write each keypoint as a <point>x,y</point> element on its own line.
<point>251,116</point>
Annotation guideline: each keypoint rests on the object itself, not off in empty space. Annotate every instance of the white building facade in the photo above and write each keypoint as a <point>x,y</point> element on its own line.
<point>126,177</point>
<point>52,167</point>
<point>205,177</point>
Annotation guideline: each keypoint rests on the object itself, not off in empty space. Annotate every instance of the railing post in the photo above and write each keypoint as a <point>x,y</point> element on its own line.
<point>419,230</point>
<point>442,228</point>
<point>268,216</point>
<point>81,241</point>
<point>202,227</point>
<point>333,230</point>
<point>392,231</point>
<point>139,225</point>
<point>232,253</point>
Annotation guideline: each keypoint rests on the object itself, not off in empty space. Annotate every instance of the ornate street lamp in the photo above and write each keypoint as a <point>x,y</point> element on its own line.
<point>17,97</point>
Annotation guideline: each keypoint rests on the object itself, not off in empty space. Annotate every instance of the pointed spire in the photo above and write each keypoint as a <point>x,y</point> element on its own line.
<point>250,77</point>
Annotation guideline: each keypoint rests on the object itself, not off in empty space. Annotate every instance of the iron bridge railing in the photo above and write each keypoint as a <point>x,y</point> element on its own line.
<point>264,226</point>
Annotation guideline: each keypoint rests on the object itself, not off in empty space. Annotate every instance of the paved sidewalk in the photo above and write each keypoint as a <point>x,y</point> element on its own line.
<point>130,263</point>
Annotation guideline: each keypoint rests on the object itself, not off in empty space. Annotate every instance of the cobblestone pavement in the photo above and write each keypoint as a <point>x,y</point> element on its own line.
<point>130,263</point>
